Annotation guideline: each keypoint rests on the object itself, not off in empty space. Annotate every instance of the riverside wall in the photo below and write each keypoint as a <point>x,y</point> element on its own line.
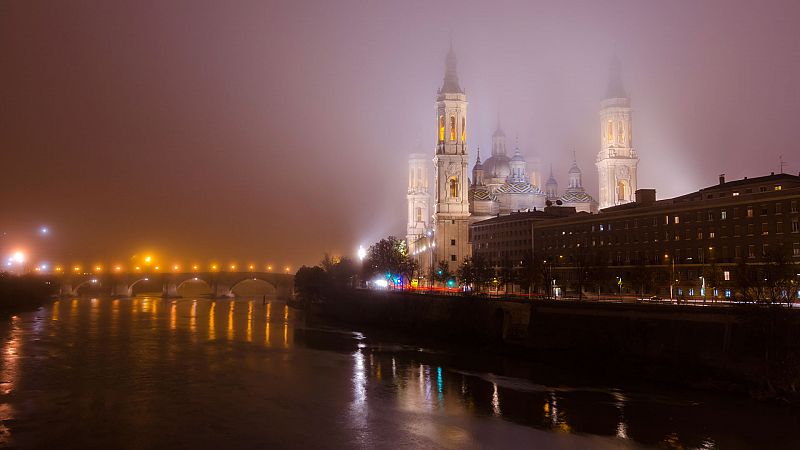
<point>754,347</point>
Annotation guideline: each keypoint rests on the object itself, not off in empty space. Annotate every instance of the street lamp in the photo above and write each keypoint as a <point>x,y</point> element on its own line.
<point>672,278</point>
<point>362,253</point>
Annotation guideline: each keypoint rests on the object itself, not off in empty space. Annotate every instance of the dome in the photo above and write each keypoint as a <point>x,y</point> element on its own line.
<point>574,168</point>
<point>517,157</point>
<point>497,166</point>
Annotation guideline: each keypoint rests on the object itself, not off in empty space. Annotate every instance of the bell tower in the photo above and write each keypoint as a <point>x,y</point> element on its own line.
<point>450,162</point>
<point>418,199</point>
<point>617,160</point>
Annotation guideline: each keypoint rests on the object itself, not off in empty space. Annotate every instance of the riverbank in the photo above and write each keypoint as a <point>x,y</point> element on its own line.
<point>735,349</point>
<point>22,293</point>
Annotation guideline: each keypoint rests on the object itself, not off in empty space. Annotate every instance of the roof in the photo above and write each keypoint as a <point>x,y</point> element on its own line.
<point>450,85</point>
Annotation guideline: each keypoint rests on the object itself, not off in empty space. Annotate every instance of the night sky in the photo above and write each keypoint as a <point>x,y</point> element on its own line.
<point>272,132</point>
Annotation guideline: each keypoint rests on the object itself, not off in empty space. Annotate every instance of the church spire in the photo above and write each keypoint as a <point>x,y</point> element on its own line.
<point>450,84</point>
<point>615,86</point>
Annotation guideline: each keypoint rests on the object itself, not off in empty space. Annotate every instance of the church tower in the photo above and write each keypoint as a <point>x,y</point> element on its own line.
<point>617,160</point>
<point>450,162</point>
<point>418,198</point>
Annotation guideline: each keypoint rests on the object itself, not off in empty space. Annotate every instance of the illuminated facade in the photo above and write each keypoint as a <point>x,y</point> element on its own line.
<point>451,215</point>
<point>617,160</point>
<point>418,199</point>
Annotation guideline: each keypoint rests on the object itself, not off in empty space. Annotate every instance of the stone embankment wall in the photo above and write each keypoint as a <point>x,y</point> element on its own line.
<point>749,345</point>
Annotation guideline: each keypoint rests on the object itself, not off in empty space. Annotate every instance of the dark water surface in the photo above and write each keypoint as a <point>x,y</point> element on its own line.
<point>155,373</point>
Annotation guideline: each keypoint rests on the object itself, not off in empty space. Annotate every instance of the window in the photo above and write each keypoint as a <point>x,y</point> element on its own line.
<point>699,233</point>
<point>666,220</point>
<point>749,211</point>
<point>779,228</point>
<point>441,128</point>
<point>762,189</point>
<point>778,187</point>
<point>795,226</point>
<point>764,249</point>
<point>794,207</point>
<point>610,131</point>
<point>711,234</point>
<point>796,249</point>
<point>778,208</point>
<point>735,213</point>
<point>726,275</point>
<point>764,228</point>
<point>710,216</point>
<point>453,187</point>
<point>452,128</point>
<point>419,214</point>
<point>723,215</point>
<point>751,251</point>
<point>750,229</point>
<point>452,257</point>
<point>764,210</point>
<point>463,129</point>
<point>735,194</point>
<point>621,190</point>
<point>452,242</point>
<point>737,252</point>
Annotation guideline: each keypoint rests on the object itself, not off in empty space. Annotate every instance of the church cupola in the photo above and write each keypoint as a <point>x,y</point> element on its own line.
<point>498,141</point>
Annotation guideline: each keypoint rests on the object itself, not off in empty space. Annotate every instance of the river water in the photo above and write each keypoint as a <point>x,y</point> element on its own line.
<point>156,373</point>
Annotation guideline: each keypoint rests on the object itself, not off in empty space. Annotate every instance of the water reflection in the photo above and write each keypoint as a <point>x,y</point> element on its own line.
<point>139,360</point>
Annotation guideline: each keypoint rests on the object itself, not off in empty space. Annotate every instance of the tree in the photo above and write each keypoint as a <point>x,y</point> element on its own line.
<point>507,274</point>
<point>530,273</point>
<point>388,257</point>
<point>310,283</point>
<point>475,270</point>
<point>442,272</point>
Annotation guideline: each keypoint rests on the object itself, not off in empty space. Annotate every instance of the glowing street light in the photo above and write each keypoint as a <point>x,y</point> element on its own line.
<point>175,267</point>
<point>148,259</point>
<point>362,253</point>
<point>44,231</point>
<point>269,268</point>
<point>98,269</point>
<point>18,257</point>
<point>117,269</point>
<point>288,269</point>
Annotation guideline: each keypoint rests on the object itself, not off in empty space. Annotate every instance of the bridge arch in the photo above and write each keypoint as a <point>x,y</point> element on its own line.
<point>90,283</point>
<point>178,284</point>
<point>273,287</point>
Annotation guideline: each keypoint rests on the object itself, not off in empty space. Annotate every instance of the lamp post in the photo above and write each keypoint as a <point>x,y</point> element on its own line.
<point>672,276</point>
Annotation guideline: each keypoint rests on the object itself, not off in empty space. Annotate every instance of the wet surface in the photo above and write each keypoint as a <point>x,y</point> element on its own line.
<point>156,373</point>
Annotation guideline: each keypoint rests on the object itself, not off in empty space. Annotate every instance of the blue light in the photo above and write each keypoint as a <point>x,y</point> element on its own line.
<point>451,282</point>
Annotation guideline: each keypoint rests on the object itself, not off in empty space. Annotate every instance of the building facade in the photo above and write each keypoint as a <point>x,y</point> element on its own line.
<point>692,245</point>
<point>617,160</point>
<point>451,215</point>
<point>418,198</point>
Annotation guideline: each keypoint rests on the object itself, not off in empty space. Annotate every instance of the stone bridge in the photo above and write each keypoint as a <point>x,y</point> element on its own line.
<point>221,284</point>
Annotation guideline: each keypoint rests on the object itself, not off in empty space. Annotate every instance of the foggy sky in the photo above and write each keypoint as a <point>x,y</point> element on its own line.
<point>275,131</point>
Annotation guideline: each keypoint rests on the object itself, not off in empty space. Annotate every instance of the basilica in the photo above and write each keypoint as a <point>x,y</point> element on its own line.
<point>505,182</point>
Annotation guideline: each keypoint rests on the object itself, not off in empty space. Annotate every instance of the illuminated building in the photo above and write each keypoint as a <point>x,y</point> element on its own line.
<point>451,214</point>
<point>418,198</point>
<point>617,160</point>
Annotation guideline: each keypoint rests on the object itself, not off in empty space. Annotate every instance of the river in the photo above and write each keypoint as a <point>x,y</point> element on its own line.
<point>146,373</point>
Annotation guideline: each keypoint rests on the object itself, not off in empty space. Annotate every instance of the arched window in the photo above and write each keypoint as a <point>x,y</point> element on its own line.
<point>610,131</point>
<point>454,187</point>
<point>419,177</point>
<point>452,128</point>
<point>441,128</point>
<point>621,131</point>
<point>621,190</point>
<point>463,129</point>
<point>419,214</point>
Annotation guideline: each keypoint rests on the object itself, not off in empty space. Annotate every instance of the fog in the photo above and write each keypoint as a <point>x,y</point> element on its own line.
<point>275,131</point>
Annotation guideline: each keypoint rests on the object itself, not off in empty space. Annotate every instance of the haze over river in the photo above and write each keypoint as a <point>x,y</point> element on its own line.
<point>196,373</point>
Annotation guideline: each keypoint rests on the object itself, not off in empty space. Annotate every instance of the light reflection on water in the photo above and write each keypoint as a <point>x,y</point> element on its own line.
<point>133,374</point>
